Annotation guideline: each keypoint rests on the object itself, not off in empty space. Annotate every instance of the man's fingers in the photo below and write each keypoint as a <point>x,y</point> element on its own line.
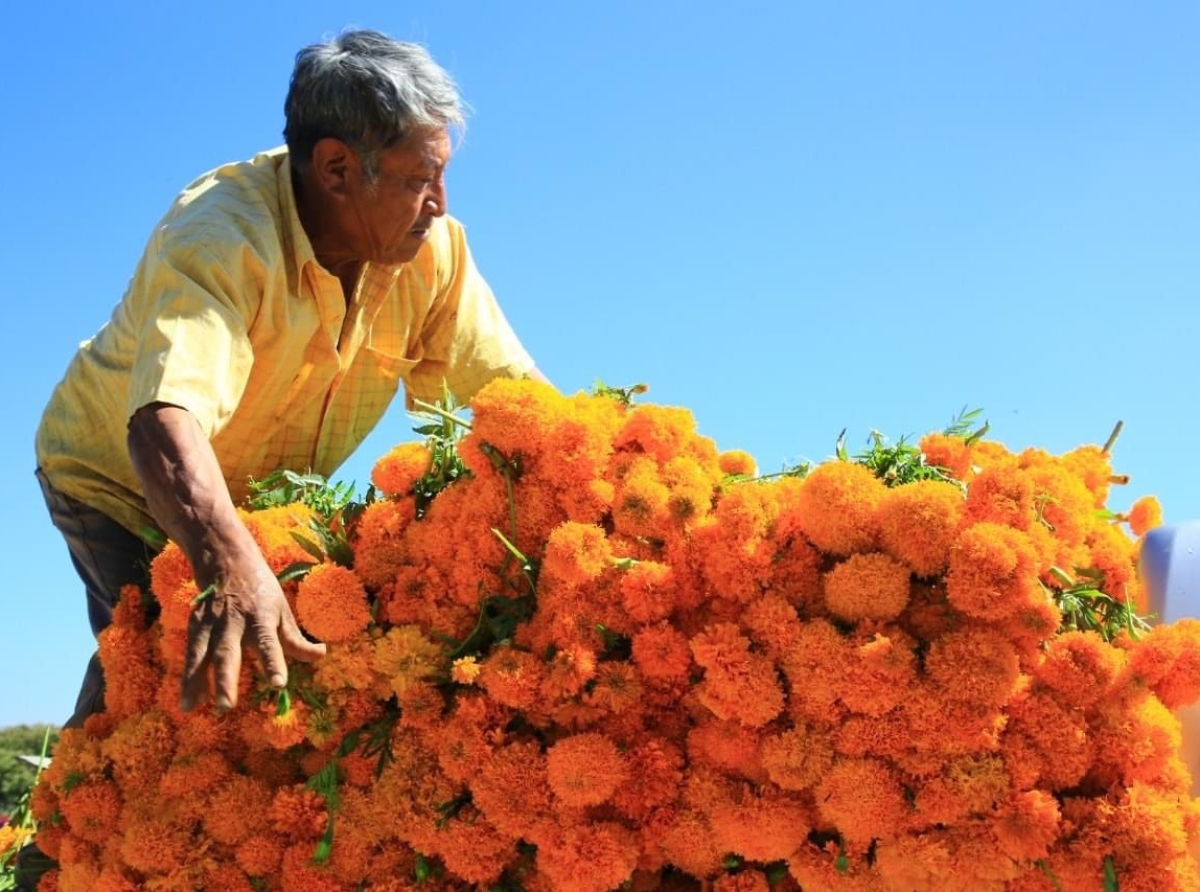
<point>195,669</point>
<point>295,643</point>
<point>227,661</point>
<point>266,642</point>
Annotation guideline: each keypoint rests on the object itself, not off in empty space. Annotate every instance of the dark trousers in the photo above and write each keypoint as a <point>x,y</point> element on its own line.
<point>106,556</point>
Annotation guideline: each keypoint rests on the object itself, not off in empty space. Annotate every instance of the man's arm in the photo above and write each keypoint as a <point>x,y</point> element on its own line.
<point>186,493</point>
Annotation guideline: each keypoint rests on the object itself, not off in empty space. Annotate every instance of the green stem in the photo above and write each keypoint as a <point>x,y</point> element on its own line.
<point>439,411</point>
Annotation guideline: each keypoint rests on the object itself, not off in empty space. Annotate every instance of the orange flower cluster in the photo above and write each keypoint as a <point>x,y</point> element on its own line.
<point>604,657</point>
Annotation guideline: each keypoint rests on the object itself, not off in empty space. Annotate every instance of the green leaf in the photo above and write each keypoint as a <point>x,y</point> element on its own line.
<point>309,546</point>
<point>1110,875</point>
<point>297,570</point>
<point>325,845</point>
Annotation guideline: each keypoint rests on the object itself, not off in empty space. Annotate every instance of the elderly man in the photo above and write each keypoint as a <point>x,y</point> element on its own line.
<point>276,310</point>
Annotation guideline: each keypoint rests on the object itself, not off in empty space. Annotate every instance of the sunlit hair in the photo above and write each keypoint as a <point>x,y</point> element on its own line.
<point>369,91</point>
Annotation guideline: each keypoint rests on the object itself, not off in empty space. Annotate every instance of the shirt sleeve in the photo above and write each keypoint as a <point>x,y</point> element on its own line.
<point>467,339</point>
<point>193,349</point>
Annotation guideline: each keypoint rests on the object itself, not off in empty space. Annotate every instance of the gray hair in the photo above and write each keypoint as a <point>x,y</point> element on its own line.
<point>369,91</point>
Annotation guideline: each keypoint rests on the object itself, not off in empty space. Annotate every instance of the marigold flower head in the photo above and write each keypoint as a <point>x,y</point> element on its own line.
<point>465,670</point>
<point>1002,494</point>
<point>762,825</point>
<point>398,470</point>
<point>585,769</point>
<point>973,665</point>
<point>863,798</point>
<point>1092,465</point>
<point>918,522</point>
<point>512,788</point>
<point>647,589</point>
<point>800,758</point>
<point>589,857</point>
<point>91,810</point>
<point>993,572</point>
<point>379,544</point>
<point>331,603</point>
<point>1144,515</point>
<point>836,508</point>
<point>662,653</point>
<point>1027,825</point>
<point>405,656</point>
<point>737,463</point>
<point>576,553</point>
<point>1079,667</point>
<point>870,586</point>
<point>947,451</point>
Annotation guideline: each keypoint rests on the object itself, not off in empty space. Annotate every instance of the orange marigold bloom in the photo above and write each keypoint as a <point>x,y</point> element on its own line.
<point>1091,465</point>
<point>993,572</point>
<point>647,591</point>
<point>513,677</point>
<point>405,656</point>
<point>379,544</point>
<point>662,653</point>
<point>236,809</point>
<point>153,846</point>
<point>1145,514</point>
<point>762,825</point>
<point>1136,738</point>
<point>653,780</point>
<point>867,587</point>
<point>398,470</point>
<point>725,746</point>
<point>585,769</point>
<point>1046,744</point>
<point>737,463</point>
<point>837,508</point>
<point>1079,667</point>
<point>1168,658</point>
<point>576,553</point>
<point>589,857</point>
<point>864,799</point>
<point>771,621</point>
<point>331,603</point>
<point>737,684</point>
<point>641,502</point>
<point>882,670</point>
<point>814,669</point>
<point>949,452</point>
<point>974,665</point>
<point>512,788</point>
<point>297,812</point>
<point>800,758</point>
<point>1027,825</point>
<point>1002,494</point>
<point>687,840</point>
<point>744,881</point>
<point>967,785</point>
<point>918,522</point>
<point>297,871</point>
<point>259,855</point>
<point>130,671</point>
<point>465,670</point>
<point>91,810</point>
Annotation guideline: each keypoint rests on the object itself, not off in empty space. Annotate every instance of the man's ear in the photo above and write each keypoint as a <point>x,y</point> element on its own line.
<point>333,165</point>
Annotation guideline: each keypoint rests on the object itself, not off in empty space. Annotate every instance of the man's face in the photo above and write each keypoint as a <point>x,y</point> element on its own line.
<point>390,218</point>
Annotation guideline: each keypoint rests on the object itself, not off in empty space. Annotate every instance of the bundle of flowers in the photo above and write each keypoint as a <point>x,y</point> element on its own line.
<point>578,648</point>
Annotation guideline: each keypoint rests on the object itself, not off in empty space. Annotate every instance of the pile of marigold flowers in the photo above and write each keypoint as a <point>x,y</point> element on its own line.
<point>578,648</point>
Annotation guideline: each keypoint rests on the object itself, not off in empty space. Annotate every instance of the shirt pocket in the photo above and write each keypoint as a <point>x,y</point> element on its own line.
<point>389,365</point>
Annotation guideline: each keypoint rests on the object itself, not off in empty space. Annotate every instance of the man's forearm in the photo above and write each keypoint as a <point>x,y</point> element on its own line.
<point>185,489</point>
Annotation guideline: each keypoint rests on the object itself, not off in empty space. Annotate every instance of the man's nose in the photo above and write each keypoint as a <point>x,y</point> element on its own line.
<point>435,198</point>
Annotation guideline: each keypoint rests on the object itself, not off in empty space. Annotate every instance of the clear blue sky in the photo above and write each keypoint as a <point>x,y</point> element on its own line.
<point>791,218</point>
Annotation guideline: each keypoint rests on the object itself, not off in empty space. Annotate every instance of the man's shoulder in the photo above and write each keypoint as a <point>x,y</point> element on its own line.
<point>237,204</point>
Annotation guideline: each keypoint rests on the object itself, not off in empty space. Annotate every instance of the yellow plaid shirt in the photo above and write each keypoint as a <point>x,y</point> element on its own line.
<point>230,316</point>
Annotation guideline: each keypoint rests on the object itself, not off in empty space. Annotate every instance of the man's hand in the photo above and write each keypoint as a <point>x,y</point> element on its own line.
<point>245,607</point>
<point>187,494</point>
